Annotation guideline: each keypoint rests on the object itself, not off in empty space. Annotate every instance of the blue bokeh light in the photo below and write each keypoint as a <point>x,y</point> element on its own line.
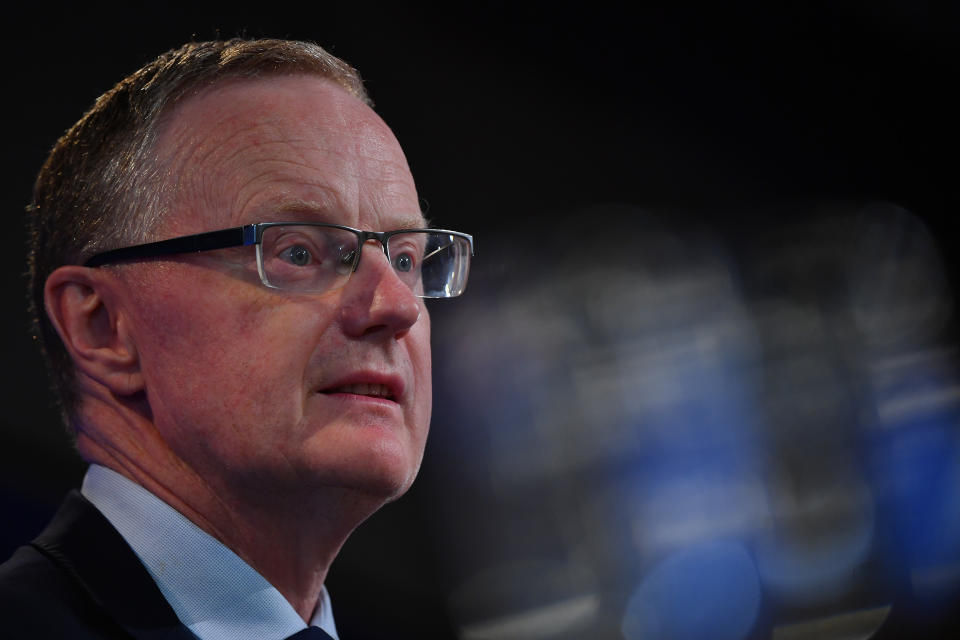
<point>709,590</point>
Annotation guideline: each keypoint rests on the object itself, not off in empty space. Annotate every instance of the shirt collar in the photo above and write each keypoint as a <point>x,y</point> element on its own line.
<point>213,591</point>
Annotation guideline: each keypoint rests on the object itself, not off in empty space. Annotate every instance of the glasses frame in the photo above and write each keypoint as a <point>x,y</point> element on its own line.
<point>247,235</point>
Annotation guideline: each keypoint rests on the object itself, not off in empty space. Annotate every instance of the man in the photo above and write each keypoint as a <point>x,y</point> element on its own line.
<point>244,361</point>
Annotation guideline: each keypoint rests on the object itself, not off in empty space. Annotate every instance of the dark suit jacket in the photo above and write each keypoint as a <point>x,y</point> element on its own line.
<point>80,580</point>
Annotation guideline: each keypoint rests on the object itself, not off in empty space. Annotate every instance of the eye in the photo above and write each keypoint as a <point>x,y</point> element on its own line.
<point>403,262</point>
<point>298,255</point>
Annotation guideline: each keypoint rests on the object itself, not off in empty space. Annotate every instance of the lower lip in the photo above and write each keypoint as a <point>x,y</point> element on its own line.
<point>356,397</point>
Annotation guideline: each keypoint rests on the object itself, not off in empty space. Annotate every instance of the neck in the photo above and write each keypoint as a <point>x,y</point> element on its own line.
<point>289,533</point>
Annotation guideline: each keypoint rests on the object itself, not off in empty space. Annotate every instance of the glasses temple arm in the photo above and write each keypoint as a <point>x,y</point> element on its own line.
<point>223,239</point>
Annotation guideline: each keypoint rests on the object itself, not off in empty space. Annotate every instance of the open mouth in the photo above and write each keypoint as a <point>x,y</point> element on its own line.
<point>371,390</point>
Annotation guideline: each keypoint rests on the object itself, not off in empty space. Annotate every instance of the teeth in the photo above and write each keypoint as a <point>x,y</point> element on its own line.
<point>366,389</point>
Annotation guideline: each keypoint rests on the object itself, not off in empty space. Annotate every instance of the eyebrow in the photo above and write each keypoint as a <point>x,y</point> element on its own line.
<point>325,213</point>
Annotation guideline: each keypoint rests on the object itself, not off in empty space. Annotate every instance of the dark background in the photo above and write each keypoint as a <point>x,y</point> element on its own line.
<point>514,118</point>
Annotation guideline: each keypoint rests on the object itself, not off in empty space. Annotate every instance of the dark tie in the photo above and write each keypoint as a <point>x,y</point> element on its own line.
<point>311,633</point>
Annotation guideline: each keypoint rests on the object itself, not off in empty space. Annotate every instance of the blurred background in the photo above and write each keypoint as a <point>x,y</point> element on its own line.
<point>704,382</point>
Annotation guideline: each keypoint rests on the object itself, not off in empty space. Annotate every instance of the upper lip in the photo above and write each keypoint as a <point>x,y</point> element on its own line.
<point>392,384</point>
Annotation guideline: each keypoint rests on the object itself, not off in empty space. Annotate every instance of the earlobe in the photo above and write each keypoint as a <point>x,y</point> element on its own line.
<point>82,305</point>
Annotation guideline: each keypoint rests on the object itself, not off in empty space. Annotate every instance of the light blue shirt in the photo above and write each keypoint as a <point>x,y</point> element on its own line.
<point>215,594</point>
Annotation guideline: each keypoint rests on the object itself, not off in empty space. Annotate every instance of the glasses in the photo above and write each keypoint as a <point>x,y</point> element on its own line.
<point>314,257</point>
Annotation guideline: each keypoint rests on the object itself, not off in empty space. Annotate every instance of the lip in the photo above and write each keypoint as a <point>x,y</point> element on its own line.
<point>393,383</point>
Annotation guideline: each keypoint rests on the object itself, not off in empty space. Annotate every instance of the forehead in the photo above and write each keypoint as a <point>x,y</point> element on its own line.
<point>283,148</point>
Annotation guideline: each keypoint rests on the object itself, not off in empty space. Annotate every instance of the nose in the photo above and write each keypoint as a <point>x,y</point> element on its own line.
<point>375,301</point>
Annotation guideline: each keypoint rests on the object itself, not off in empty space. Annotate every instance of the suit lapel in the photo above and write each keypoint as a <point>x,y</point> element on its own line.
<point>83,543</point>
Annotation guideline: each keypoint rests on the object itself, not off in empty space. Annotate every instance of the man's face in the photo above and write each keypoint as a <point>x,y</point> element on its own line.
<point>259,390</point>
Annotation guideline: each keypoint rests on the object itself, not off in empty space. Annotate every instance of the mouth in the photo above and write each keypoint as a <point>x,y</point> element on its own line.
<point>369,389</point>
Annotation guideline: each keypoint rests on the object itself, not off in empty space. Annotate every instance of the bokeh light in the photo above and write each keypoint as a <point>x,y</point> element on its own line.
<point>662,427</point>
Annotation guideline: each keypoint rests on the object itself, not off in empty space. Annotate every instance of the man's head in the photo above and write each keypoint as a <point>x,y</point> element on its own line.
<point>101,186</point>
<point>257,393</point>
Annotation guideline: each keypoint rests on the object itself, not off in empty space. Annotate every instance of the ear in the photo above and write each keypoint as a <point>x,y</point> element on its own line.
<point>82,305</point>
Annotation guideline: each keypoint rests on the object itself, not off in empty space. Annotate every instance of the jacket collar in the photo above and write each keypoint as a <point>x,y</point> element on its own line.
<point>83,544</point>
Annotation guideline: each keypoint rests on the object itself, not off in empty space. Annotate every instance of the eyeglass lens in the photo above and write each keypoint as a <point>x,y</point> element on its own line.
<point>316,259</point>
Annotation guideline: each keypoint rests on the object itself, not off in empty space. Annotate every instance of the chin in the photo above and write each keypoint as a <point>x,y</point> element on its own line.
<point>383,472</point>
<point>378,459</point>
<point>386,480</point>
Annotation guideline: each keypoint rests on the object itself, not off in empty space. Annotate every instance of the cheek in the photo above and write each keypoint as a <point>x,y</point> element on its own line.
<point>217,349</point>
<point>187,339</point>
<point>420,357</point>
